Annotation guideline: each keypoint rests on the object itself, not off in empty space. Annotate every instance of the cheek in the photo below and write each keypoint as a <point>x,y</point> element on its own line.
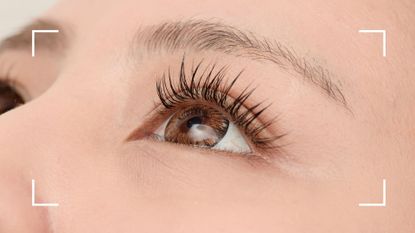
<point>198,190</point>
<point>187,190</point>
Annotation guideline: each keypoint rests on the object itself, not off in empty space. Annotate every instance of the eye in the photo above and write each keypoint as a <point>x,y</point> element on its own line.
<point>203,126</point>
<point>9,97</point>
<point>202,107</point>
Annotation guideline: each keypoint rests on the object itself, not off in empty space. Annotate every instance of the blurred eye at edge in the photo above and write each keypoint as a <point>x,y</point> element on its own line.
<point>9,97</point>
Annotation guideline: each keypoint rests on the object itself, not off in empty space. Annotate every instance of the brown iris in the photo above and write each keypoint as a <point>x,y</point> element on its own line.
<point>9,98</point>
<point>197,125</point>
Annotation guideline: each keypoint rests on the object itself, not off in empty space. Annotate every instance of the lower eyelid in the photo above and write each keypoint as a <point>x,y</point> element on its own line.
<point>252,159</point>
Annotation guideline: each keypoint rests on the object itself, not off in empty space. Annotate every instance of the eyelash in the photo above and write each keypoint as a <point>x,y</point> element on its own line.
<point>211,86</point>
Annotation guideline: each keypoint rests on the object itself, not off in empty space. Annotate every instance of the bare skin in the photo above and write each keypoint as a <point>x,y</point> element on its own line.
<point>85,100</point>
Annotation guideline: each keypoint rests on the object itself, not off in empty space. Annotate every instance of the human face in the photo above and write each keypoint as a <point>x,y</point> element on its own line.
<point>94,133</point>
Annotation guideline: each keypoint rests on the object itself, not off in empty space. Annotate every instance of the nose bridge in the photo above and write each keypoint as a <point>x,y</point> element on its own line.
<point>20,161</point>
<point>32,135</point>
<point>15,134</point>
<point>62,121</point>
<point>30,131</point>
<point>46,140</point>
<point>21,133</point>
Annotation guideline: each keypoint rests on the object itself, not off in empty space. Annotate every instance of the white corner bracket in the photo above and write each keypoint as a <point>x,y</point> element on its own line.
<point>383,204</point>
<point>40,204</point>
<point>383,37</point>
<point>34,38</point>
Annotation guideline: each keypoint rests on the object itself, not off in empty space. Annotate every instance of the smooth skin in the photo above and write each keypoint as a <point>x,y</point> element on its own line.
<point>85,102</point>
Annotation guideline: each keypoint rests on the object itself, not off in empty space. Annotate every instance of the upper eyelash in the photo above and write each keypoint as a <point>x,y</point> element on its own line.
<point>211,86</point>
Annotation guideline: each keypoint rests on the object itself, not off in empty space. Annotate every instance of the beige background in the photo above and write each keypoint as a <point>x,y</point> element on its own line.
<point>15,13</point>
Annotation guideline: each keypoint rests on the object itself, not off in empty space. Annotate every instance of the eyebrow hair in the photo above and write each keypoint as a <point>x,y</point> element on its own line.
<point>23,39</point>
<point>204,35</point>
<point>198,35</point>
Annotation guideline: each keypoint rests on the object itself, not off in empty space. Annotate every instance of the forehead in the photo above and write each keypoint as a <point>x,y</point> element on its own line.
<point>315,26</point>
<point>328,30</point>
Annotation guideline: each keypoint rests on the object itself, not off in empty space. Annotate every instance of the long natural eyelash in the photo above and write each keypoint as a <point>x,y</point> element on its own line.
<point>210,85</point>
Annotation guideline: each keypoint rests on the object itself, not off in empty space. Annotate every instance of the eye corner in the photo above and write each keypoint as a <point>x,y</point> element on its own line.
<point>152,122</point>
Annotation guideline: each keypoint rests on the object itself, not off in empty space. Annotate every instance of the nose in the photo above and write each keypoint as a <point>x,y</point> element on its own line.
<point>20,162</point>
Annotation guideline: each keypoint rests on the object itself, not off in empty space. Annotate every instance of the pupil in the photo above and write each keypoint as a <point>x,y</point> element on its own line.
<point>193,121</point>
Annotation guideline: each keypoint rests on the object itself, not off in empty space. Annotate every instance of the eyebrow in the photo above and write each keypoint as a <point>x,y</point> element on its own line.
<point>199,35</point>
<point>205,35</point>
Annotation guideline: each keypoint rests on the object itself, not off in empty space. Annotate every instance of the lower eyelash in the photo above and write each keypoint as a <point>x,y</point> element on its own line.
<point>211,86</point>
